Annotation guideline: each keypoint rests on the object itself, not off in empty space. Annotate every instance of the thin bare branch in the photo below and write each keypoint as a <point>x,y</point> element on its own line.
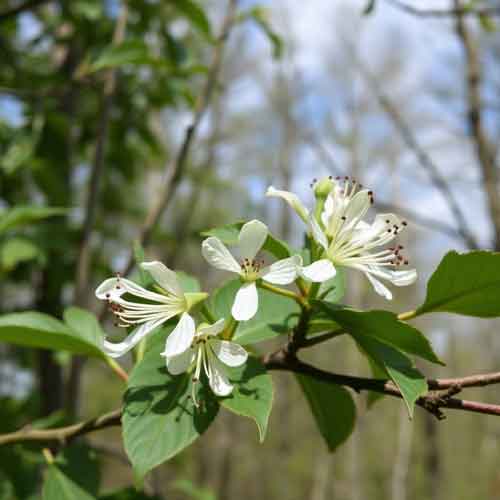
<point>432,402</point>
<point>286,361</point>
<point>83,262</point>
<point>325,156</point>
<point>422,156</point>
<point>483,148</point>
<point>461,11</point>
<point>63,435</point>
<point>85,248</point>
<point>175,168</point>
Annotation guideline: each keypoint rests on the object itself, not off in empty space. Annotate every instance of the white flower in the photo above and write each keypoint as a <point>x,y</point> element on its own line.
<point>210,353</point>
<point>170,301</point>
<point>320,270</point>
<point>252,237</point>
<point>347,240</point>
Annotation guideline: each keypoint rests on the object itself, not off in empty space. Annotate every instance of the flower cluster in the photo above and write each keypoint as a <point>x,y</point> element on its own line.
<point>339,237</point>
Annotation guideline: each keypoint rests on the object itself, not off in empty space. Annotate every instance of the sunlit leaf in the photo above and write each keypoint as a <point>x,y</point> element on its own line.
<point>252,395</point>
<point>466,284</point>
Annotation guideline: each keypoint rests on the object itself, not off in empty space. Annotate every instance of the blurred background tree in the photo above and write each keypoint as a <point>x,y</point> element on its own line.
<point>153,120</point>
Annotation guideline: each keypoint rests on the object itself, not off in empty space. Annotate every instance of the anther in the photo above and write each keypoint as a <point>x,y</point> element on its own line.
<point>404,223</point>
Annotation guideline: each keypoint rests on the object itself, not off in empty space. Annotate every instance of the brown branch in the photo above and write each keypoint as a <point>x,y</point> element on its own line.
<point>85,249</point>
<point>432,402</point>
<point>283,360</point>
<point>83,262</point>
<point>410,9</point>
<point>175,169</point>
<point>63,435</point>
<point>483,149</point>
<point>423,158</point>
<point>14,11</point>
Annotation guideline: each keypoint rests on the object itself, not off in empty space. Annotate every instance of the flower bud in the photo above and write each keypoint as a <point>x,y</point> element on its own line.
<point>323,187</point>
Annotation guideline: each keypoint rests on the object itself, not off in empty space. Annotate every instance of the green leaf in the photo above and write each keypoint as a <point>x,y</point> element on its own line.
<point>34,329</point>
<point>192,491</point>
<point>17,250</point>
<point>89,9</point>
<point>22,149</point>
<point>189,283</point>
<point>85,324</point>
<point>128,52</point>
<point>252,395</point>
<point>261,18</point>
<point>128,494</point>
<point>385,327</point>
<point>276,314</point>
<point>487,23</point>
<point>228,234</point>
<point>159,417</point>
<point>58,486</point>
<point>80,464</point>
<point>332,407</point>
<point>466,284</point>
<point>21,468</point>
<point>21,216</point>
<point>369,7</point>
<point>195,15</point>
<point>144,279</point>
<point>398,367</point>
<point>333,290</point>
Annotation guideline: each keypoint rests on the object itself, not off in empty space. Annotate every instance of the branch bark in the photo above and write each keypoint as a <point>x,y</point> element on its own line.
<point>83,262</point>
<point>84,251</point>
<point>482,147</point>
<point>63,435</point>
<point>175,169</point>
<point>281,360</point>
<point>421,220</point>
<point>410,9</point>
<point>422,156</point>
<point>432,402</point>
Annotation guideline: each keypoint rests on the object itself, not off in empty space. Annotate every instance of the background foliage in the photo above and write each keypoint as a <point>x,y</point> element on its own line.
<point>291,102</point>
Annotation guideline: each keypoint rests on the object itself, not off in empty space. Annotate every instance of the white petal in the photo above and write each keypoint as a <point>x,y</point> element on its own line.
<point>319,271</point>
<point>378,230</point>
<point>282,272</point>
<point>213,329</point>
<point>379,287</point>
<point>117,349</point>
<point>328,209</point>
<point>246,302</point>
<point>181,363</point>
<point>357,206</point>
<point>217,254</point>
<point>164,276</point>
<point>113,288</point>
<point>107,289</point>
<point>318,234</point>
<point>399,278</point>
<point>230,353</point>
<point>403,278</point>
<point>217,378</point>
<point>292,199</point>
<point>181,337</point>
<point>252,236</point>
